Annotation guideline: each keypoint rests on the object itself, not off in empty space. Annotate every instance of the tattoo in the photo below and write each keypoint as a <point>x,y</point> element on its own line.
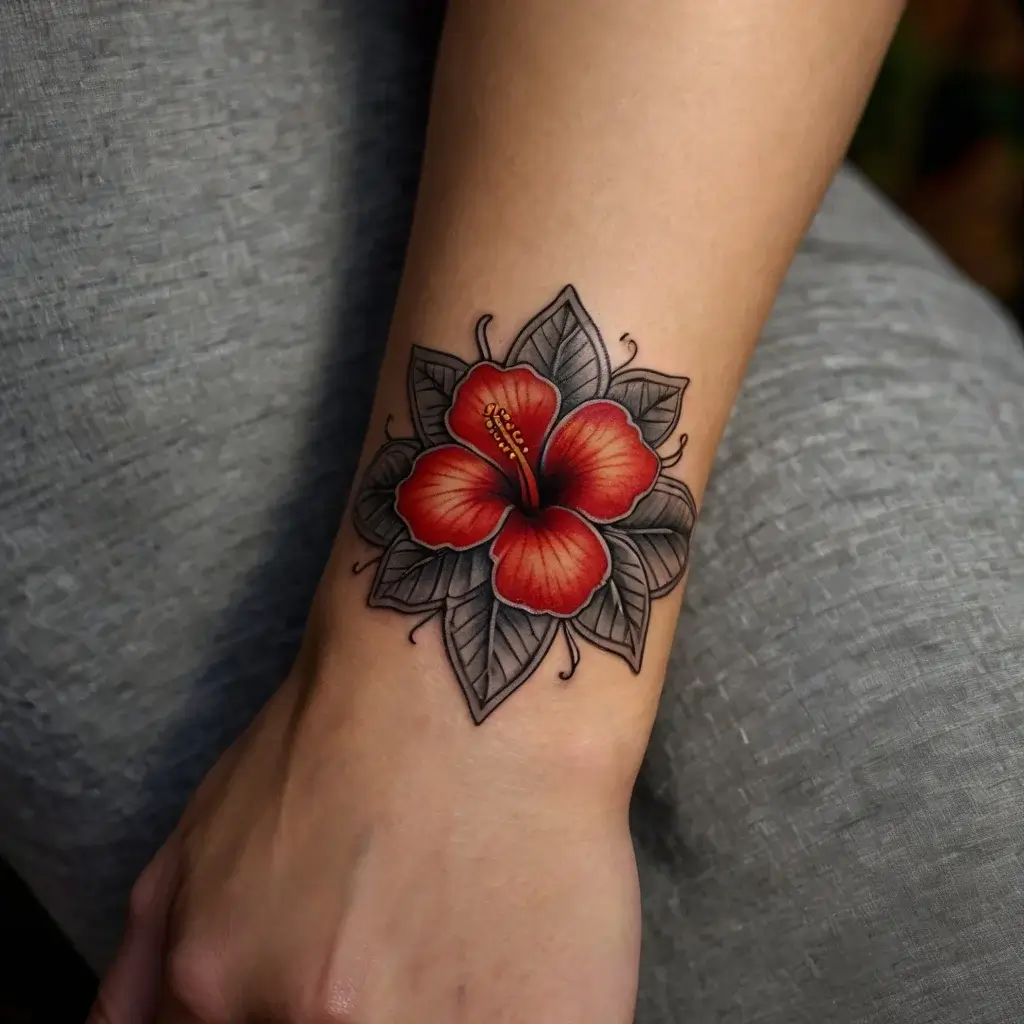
<point>531,501</point>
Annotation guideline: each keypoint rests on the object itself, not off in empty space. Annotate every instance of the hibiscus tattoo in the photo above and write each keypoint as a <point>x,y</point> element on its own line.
<point>531,501</point>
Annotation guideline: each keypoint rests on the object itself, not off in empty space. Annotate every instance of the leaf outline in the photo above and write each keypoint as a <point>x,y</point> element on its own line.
<point>563,343</point>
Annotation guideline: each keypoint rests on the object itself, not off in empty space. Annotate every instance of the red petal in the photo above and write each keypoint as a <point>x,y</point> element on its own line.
<point>598,462</point>
<point>550,563</point>
<point>531,401</point>
<point>452,498</point>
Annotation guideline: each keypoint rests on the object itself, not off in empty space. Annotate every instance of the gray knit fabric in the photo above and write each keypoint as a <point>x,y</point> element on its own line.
<point>203,206</point>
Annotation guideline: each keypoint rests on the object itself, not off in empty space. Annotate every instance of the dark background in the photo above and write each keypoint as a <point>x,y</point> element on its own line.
<point>943,136</point>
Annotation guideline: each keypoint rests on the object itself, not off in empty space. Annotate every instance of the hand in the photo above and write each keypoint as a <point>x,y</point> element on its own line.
<point>340,866</point>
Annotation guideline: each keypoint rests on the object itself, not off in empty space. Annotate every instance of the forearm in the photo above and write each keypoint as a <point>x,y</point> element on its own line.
<point>663,157</point>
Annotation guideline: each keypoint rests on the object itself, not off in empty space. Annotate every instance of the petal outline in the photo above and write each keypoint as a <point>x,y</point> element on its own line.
<point>452,498</point>
<point>527,551</point>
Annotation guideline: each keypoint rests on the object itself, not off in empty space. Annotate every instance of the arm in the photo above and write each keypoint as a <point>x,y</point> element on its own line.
<point>367,850</point>
<point>664,158</point>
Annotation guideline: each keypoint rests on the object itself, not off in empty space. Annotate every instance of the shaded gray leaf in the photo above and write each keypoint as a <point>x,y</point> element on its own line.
<point>374,512</point>
<point>493,647</point>
<point>472,569</point>
<point>654,400</point>
<point>412,578</point>
<point>432,378</point>
<point>617,617</point>
<point>563,344</point>
<point>660,527</point>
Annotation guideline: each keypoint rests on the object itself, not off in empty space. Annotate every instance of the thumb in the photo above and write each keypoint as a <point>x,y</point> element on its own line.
<point>130,988</point>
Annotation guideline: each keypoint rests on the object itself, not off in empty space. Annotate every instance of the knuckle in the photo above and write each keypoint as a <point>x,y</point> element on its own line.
<point>149,894</point>
<point>194,978</point>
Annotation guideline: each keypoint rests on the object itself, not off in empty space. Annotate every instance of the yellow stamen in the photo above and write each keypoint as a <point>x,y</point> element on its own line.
<point>509,438</point>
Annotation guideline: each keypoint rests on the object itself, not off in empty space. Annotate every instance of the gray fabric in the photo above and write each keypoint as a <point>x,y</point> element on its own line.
<point>202,210</point>
<point>835,787</point>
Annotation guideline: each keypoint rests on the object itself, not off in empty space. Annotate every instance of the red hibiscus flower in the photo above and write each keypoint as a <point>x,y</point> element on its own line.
<point>530,483</point>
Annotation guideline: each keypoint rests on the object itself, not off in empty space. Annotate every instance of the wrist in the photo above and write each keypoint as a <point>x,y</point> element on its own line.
<point>394,705</point>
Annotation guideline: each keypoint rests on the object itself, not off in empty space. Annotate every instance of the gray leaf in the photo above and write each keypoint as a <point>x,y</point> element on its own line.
<point>617,616</point>
<point>563,344</point>
<point>660,527</point>
<point>654,400</point>
<point>374,512</point>
<point>472,569</point>
<point>432,378</point>
<point>493,647</point>
<point>412,578</point>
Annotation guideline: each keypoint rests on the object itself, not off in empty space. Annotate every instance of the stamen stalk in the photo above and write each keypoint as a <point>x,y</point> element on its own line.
<point>500,426</point>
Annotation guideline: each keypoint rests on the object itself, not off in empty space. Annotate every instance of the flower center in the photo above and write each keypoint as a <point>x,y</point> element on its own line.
<point>502,428</point>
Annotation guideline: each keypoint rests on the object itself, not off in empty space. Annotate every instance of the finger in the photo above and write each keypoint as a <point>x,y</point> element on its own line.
<point>131,987</point>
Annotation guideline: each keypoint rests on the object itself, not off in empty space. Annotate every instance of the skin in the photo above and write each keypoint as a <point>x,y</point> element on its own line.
<point>364,853</point>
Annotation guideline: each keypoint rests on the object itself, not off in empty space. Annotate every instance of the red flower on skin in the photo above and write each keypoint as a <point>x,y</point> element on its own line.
<point>533,491</point>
